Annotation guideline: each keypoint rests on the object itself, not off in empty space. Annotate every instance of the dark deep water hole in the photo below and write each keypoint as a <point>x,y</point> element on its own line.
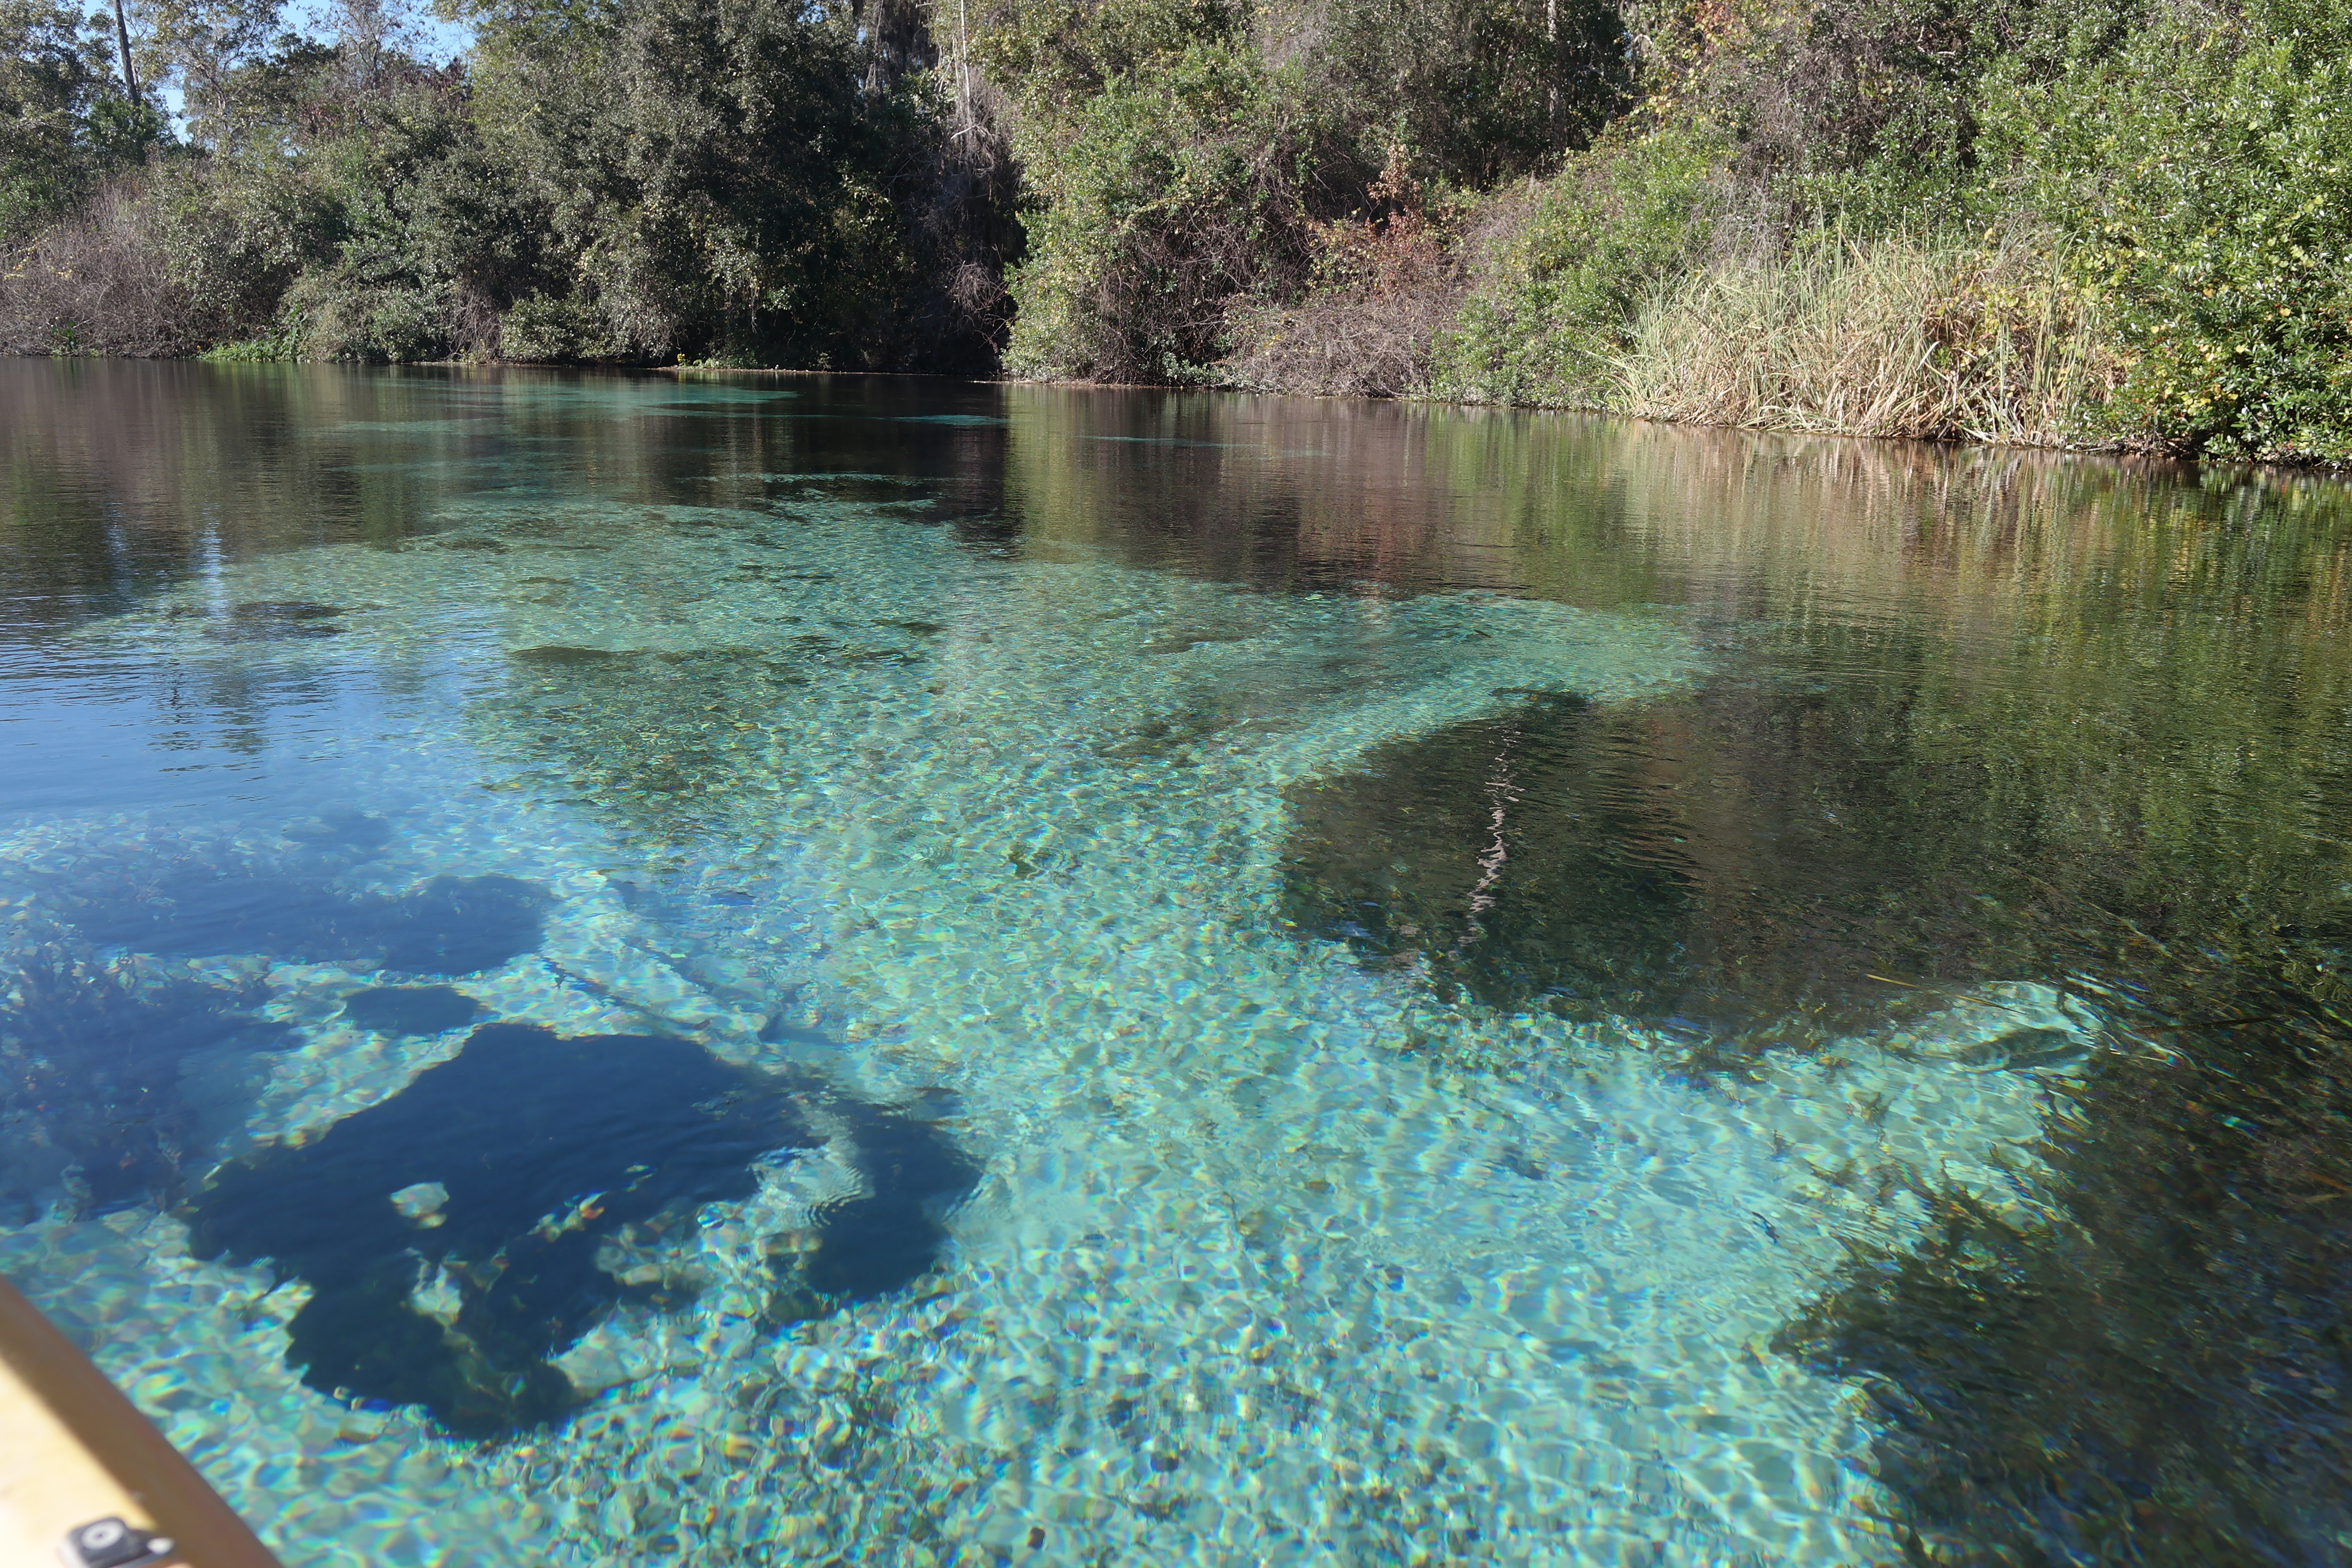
<point>123,1072</point>
<point>451,925</point>
<point>539,1150</point>
<point>125,1081</point>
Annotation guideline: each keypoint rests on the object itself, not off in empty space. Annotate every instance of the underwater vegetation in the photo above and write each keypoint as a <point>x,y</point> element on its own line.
<point>277,620</point>
<point>451,925</point>
<point>1753,866</point>
<point>2151,1361</point>
<point>1598,861</point>
<point>655,740</point>
<point>115,1080</point>
<point>520,1163</point>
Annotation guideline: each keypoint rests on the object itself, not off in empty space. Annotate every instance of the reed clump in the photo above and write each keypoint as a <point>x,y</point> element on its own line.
<point>1890,336</point>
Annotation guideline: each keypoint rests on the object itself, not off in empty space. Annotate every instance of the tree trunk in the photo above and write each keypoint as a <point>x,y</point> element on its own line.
<point>122,33</point>
<point>1552,65</point>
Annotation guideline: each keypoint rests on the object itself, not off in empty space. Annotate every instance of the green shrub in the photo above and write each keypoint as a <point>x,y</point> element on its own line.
<point>2207,172</point>
<point>545,328</point>
<point>1472,91</point>
<point>1159,201</point>
<point>711,173</point>
<point>1553,304</point>
<point>426,237</point>
<point>388,324</point>
<point>1180,155</point>
<point>236,233</point>
<point>1866,114</point>
<point>65,124</point>
<point>287,341</point>
<point>1055,56</point>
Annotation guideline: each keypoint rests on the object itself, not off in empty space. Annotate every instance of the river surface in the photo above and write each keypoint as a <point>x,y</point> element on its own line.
<point>729,970</point>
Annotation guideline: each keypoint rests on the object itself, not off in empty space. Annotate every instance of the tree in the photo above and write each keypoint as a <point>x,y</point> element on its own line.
<point>63,124</point>
<point>211,49</point>
<point>714,168</point>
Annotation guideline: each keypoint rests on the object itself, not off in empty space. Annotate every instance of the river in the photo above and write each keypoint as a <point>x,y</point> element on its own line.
<point>732,969</point>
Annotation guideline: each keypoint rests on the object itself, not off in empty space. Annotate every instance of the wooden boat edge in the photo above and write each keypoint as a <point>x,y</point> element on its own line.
<point>74,1450</point>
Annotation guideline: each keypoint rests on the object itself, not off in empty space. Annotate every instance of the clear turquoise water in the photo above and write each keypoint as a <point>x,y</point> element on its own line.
<point>1423,942</point>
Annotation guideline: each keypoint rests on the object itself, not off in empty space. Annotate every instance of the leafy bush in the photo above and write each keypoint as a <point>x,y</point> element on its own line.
<point>2207,171</point>
<point>711,177</point>
<point>64,124</point>
<point>430,239</point>
<point>551,328</point>
<point>1867,114</point>
<point>1553,302</point>
<point>1164,199</point>
<point>711,170</point>
<point>1179,155</point>
<point>1473,90</point>
<point>283,343</point>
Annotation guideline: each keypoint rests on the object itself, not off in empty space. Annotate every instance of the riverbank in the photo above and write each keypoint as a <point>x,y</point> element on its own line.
<point>1847,217</point>
<point>1996,340</point>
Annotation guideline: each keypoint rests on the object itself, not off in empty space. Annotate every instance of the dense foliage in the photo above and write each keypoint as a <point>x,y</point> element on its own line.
<point>2104,222</point>
<point>66,122</point>
<point>2206,172</point>
<point>708,179</point>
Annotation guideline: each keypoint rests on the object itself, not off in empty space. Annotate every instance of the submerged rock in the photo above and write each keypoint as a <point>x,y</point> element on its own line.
<point>421,1202</point>
<point>535,1149</point>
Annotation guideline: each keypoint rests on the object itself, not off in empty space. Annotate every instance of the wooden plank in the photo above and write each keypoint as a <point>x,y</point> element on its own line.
<point>48,1481</point>
<point>73,1450</point>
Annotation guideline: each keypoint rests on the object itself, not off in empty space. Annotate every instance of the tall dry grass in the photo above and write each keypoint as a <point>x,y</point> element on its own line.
<point>1889,337</point>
